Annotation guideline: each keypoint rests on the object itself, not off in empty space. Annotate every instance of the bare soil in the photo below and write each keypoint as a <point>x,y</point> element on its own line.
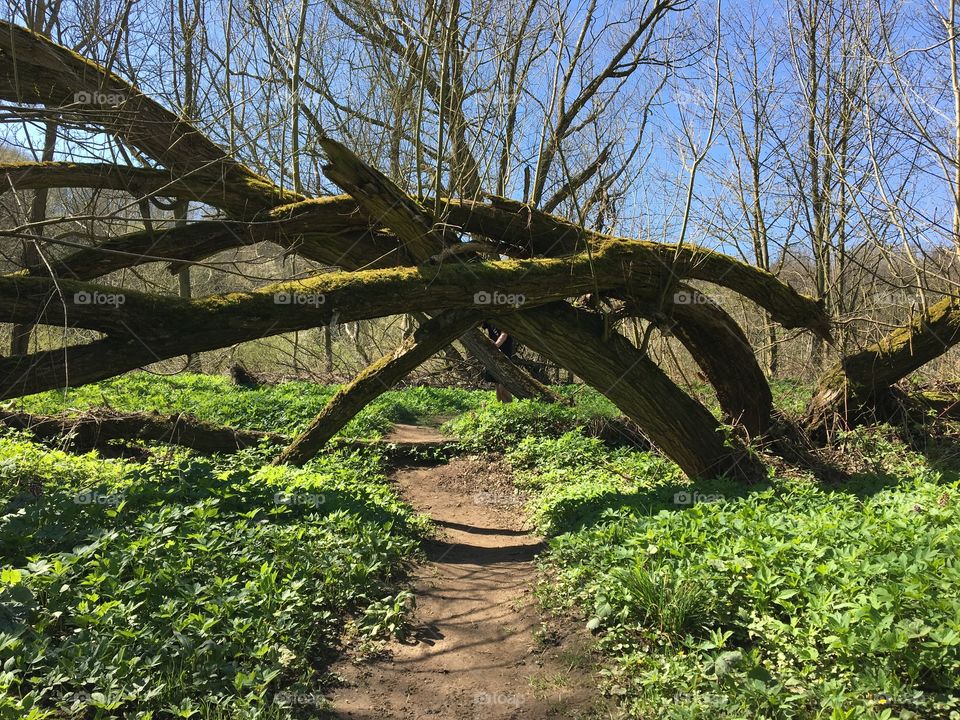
<point>481,648</point>
<point>413,434</point>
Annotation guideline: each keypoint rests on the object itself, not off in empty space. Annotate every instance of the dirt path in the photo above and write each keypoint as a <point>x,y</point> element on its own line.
<point>481,649</point>
<point>413,434</point>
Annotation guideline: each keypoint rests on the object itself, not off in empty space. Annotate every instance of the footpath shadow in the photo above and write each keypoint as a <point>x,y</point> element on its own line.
<point>458,553</point>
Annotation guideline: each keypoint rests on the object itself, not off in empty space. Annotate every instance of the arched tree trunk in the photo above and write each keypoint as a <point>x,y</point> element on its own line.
<point>679,425</point>
<point>720,348</point>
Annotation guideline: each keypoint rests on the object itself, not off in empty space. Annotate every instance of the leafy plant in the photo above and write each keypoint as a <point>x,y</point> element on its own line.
<point>199,588</point>
<point>784,601</point>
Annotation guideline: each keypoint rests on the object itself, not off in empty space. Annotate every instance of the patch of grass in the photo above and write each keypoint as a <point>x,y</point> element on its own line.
<point>285,408</point>
<point>791,396</point>
<point>425,404</point>
<point>577,481</point>
<point>497,427</point>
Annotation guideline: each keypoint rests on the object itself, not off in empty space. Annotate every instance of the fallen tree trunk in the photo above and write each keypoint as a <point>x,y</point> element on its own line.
<point>311,302</point>
<point>427,340</point>
<point>720,348</point>
<point>95,429</point>
<point>145,328</point>
<point>942,405</point>
<point>675,422</point>
<point>328,230</point>
<point>859,387</point>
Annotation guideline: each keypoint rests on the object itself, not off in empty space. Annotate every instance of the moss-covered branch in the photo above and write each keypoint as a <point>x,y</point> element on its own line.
<point>374,380</point>
<point>144,327</point>
<point>858,386</point>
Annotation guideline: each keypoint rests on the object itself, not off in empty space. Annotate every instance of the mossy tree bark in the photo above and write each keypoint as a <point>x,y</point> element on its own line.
<point>376,379</point>
<point>859,387</point>
<point>679,425</point>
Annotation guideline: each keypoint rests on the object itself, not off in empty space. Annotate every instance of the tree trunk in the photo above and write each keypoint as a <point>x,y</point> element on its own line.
<point>20,334</point>
<point>722,351</point>
<point>519,382</point>
<point>93,430</point>
<point>859,386</point>
<point>679,425</point>
<point>428,339</point>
